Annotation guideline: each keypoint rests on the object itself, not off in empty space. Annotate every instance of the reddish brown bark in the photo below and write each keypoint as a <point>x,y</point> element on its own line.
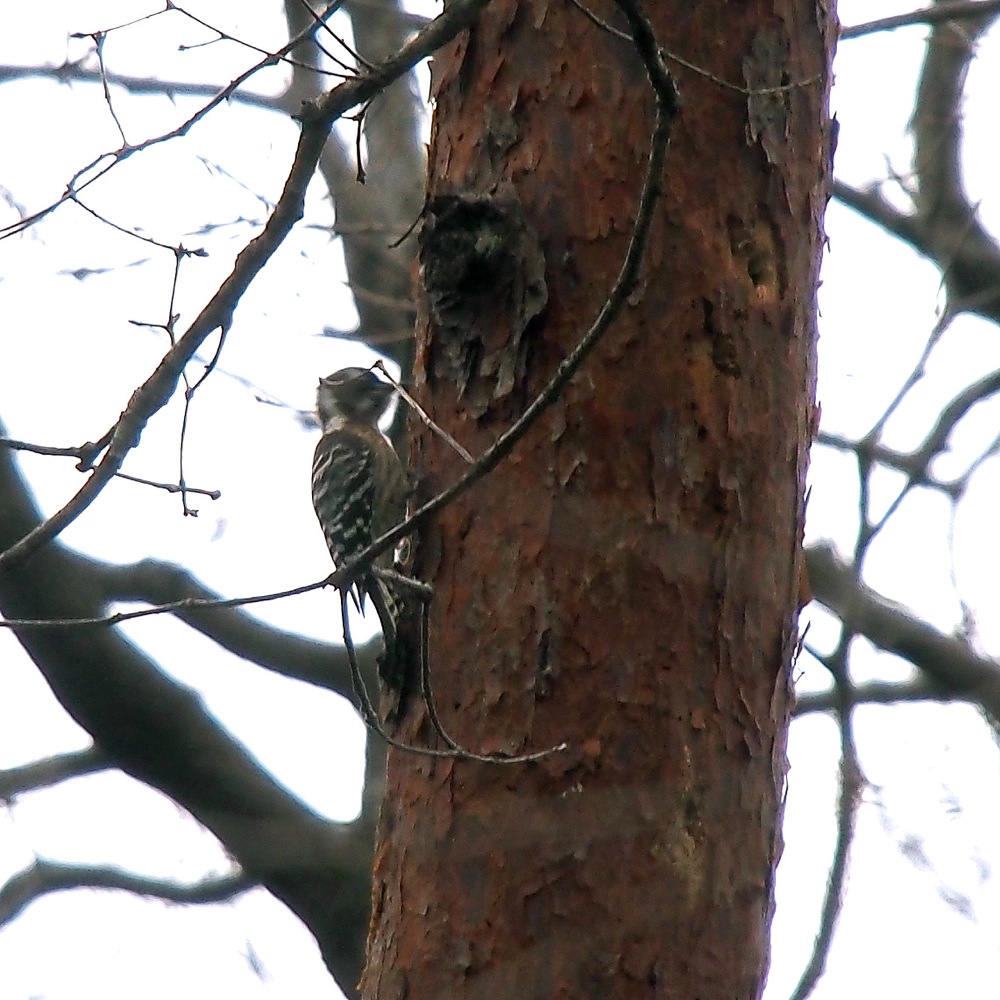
<point>627,580</point>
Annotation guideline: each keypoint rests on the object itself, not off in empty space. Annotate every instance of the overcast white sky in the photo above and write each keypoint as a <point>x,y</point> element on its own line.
<point>70,358</point>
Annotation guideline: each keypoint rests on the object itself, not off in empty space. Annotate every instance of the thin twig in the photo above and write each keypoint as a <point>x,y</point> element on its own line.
<point>201,252</point>
<point>423,415</point>
<point>425,676</point>
<point>185,604</point>
<point>340,41</point>
<point>125,24</point>
<point>285,58</point>
<point>99,38</point>
<point>427,693</point>
<point>681,61</point>
<point>170,487</point>
<point>85,451</point>
<point>373,722</point>
<point>77,183</point>
<point>189,391</point>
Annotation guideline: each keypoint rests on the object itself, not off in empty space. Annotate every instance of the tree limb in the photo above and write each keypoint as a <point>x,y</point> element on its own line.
<point>75,73</point>
<point>51,770</point>
<point>957,10</point>
<point>946,660</point>
<point>879,693</point>
<point>320,663</point>
<point>44,877</point>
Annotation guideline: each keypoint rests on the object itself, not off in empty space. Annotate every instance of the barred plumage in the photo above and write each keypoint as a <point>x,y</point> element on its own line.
<point>358,483</point>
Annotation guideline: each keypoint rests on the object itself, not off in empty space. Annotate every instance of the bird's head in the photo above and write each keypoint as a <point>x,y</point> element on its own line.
<point>352,395</point>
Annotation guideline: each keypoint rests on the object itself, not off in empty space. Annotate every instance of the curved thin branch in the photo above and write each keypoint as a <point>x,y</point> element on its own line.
<point>165,584</point>
<point>44,877</point>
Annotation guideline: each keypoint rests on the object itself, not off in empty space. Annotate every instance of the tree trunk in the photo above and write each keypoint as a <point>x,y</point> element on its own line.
<point>627,580</point>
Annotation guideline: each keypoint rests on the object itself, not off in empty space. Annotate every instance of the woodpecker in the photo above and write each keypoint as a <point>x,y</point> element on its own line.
<point>358,484</point>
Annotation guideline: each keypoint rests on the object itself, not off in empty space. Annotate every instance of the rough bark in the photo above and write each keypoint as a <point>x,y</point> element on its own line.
<point>627,580</point>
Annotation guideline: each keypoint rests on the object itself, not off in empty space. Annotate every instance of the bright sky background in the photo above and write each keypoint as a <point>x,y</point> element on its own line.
<point>69,359</point>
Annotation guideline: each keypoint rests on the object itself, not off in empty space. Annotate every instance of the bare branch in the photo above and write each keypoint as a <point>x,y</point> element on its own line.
<point>183,604</point>
<point>921,688</point>
<point>916,464</point>
<point>947,660</point>
<point>967,256</point>
<point>424,417</point>
<point>851,783</point>
<point>958,10</point>
<point>880,454</point>
<point>50,771</point>
<point>374,723</point>
<point>74,72</point>
<point>168,585</point>
<point>90,173</point>
<point>85,454</point>
<point>44,877</point>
